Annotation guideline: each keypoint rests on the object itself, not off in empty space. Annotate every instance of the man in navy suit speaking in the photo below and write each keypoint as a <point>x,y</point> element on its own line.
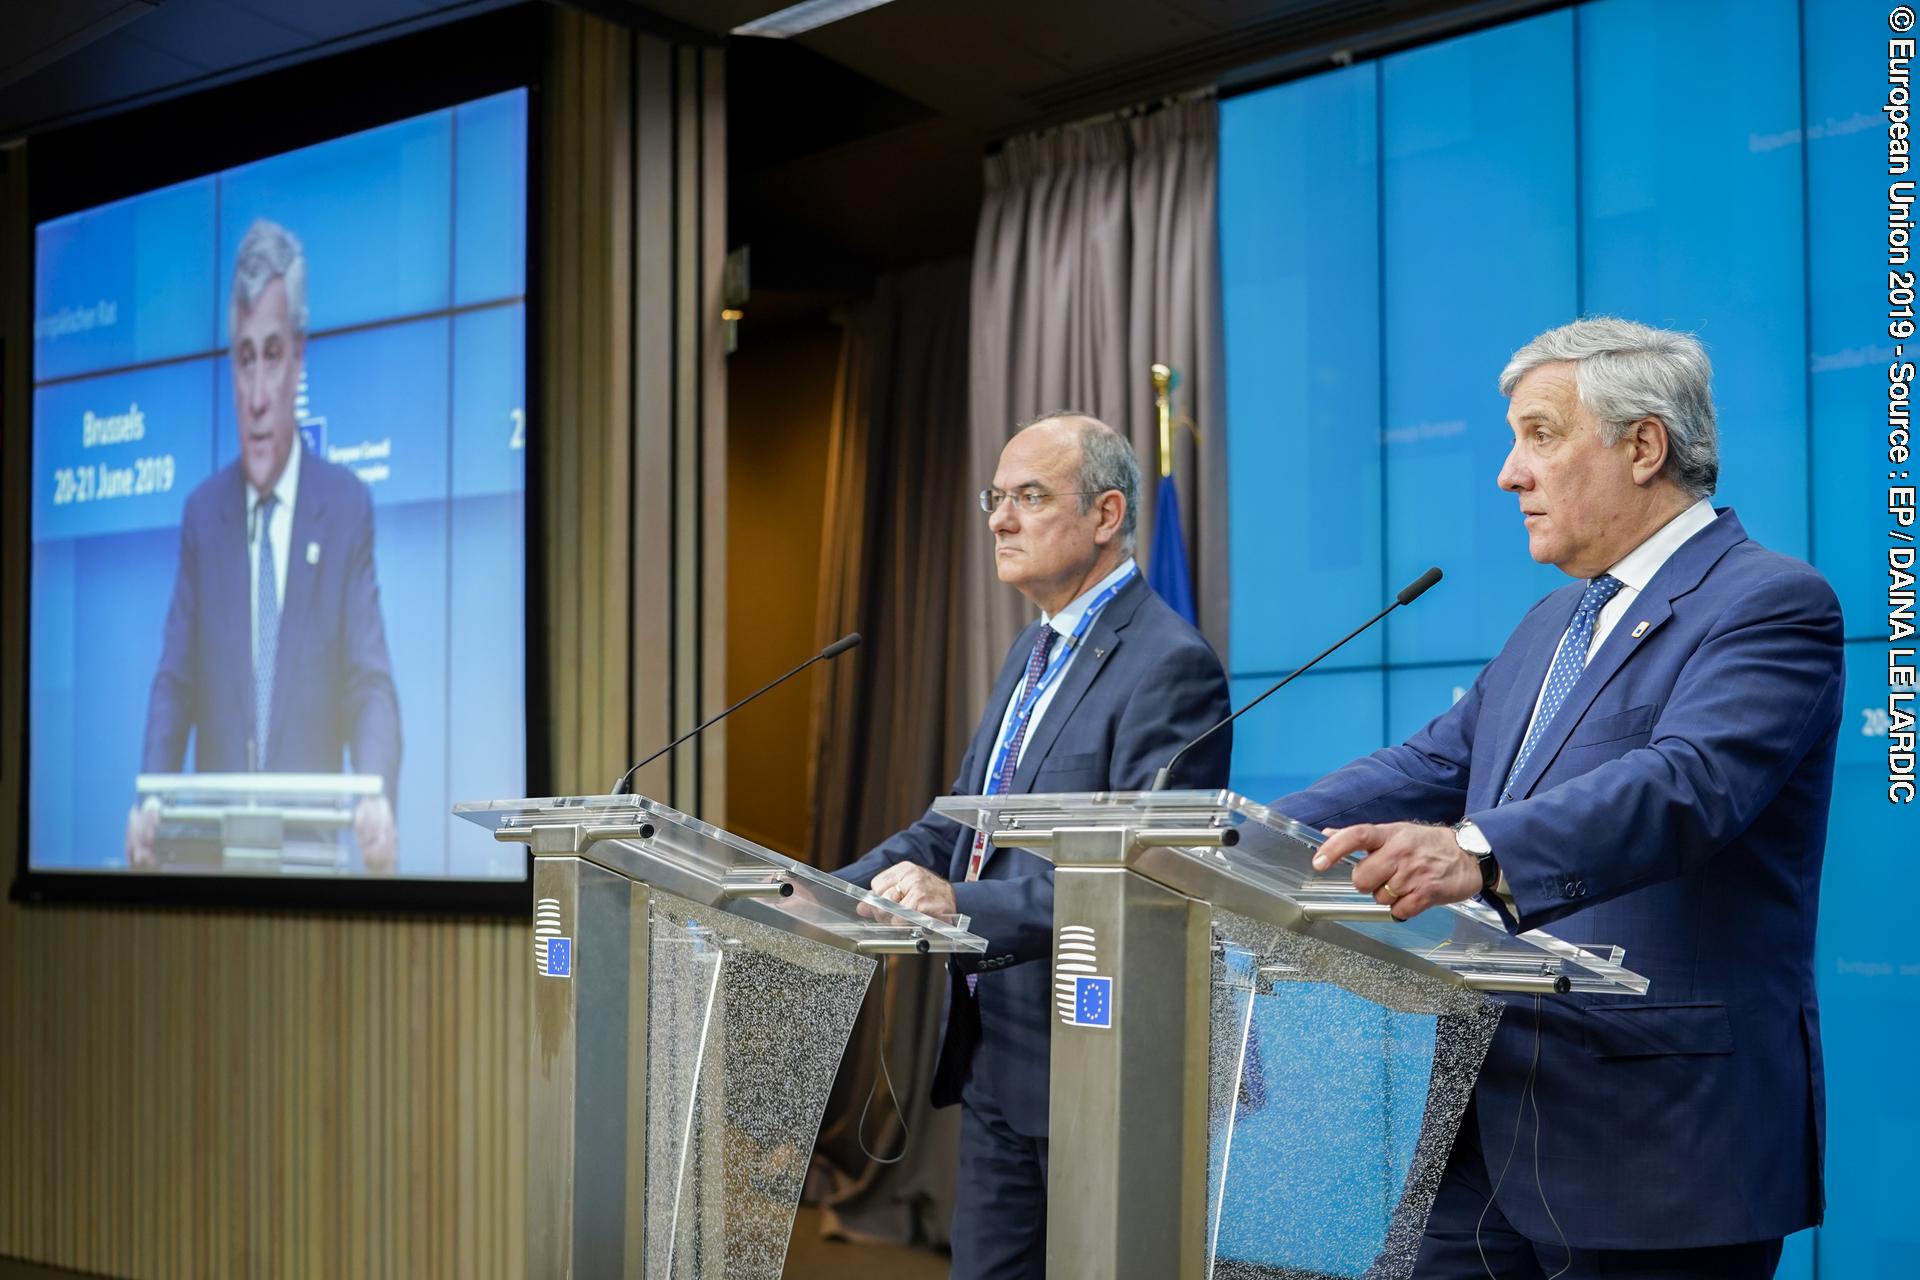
<point>1647,763</point>
<point>275,655</point>
<point>1095,696</point>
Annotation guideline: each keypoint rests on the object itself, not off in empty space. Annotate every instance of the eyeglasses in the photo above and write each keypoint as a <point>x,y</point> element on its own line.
<point>1029,499</point>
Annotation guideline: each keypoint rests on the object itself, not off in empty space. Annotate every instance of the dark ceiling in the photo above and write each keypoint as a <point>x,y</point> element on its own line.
<point>997,66</point>
<point>853,148</point>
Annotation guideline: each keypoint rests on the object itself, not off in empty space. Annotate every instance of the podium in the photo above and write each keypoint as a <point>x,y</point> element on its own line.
<point>255,823</point>
<point>1257,1071</point>
<point>692,996</point>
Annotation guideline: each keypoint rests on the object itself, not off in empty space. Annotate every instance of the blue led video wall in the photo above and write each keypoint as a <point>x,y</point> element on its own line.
<point>390,430</point>
<point>1393,231</point>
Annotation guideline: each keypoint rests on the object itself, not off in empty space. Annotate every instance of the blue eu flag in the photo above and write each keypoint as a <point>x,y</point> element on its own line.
<point>1167,571</point>
<point>1093,1002</point>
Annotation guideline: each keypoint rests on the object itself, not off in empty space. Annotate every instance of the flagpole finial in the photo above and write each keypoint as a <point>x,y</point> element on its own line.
<point>1162,402</point>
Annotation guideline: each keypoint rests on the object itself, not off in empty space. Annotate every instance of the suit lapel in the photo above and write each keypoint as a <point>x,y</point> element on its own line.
<point>1103,637</point>
<point>1681,573</point>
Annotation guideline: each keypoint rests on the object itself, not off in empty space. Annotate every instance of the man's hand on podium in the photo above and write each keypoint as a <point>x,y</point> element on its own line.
<point>373,828</point>
<point>142,821</point>
<point>1409,866</point>
<point>915,888</point>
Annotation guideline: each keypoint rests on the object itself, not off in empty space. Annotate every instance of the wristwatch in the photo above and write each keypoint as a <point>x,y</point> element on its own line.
<point>1470,838</point>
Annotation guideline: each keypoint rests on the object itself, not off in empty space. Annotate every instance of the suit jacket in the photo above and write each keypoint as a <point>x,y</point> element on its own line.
<point>333,682</point>
<point>1143,685</point>
<point>1677,807</point>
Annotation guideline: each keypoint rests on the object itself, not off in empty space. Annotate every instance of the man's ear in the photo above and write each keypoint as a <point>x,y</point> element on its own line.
<point>1647,447</point>
<point>1112,507</point>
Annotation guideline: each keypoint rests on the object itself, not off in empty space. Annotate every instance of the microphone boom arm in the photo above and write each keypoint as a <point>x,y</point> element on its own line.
<point>1406,595</point>
<point>833,650</point>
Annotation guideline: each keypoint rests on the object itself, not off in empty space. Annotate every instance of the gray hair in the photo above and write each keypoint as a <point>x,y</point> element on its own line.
<point>1106,462</point>
<point>1624,372</point>
<point>270,252</point>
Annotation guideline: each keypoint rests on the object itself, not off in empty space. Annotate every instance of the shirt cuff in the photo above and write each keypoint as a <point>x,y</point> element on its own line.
<point>1505,895</point>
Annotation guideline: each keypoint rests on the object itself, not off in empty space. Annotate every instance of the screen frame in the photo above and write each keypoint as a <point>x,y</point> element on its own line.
<point>121,156</point>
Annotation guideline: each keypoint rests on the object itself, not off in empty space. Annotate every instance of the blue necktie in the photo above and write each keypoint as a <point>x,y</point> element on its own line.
<point>267,623</point>
<point>1002,782</point>
<point>1567,666</point>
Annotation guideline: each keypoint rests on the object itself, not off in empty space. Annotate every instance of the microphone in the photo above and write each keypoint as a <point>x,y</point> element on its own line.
<point>834,650</point>
<point>1407,595</point>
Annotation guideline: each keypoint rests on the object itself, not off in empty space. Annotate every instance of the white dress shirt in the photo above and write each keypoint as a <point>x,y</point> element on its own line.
<point>1634,571</point>
<point>280,526</point>
<point>1063,623</point>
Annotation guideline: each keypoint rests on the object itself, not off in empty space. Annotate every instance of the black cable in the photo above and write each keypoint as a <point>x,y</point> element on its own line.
<point>860,1129</point>
<point>1525,1091</point>
<point>1533,1093</point>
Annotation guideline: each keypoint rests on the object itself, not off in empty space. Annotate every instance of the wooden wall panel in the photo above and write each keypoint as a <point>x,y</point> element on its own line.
<point>191,1094</point>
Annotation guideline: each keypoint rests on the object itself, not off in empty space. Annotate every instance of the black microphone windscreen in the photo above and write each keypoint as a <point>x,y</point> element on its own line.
<point>840,646</point>
<point>1413,590</point>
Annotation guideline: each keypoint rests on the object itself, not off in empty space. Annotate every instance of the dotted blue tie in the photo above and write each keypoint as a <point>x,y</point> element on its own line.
<point>1567,666</point>
<point>267,623</point>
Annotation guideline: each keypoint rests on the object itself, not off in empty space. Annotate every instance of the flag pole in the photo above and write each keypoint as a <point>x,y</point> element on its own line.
<point>1168,571</point>
<point>1163,405</point>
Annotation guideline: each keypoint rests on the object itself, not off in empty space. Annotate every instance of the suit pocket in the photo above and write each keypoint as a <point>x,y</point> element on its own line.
<point>1084,762</point>
<point>1636,722</point>
<point>1657,1030</point>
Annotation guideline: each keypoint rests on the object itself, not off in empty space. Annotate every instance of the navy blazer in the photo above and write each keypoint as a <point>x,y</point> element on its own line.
<point>1677,807</point>
<point>333,681</point>
<point>1143,685</point>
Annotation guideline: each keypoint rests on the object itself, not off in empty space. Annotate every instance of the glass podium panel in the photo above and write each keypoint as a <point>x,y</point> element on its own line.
<point>744,1034</point>
<point>1247,857</point>
<point>1330,1113</point>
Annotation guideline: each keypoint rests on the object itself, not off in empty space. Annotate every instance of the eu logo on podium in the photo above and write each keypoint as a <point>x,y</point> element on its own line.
<point>1093,1002</point>
<point>559,957</point>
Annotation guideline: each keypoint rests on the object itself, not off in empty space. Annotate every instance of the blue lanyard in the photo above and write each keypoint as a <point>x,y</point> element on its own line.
<point>1056,665</point>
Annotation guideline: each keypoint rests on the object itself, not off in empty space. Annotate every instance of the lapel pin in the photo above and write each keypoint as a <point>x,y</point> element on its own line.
<point>1099,653</point>
<point>1639,629</point>
<point>313,557</point>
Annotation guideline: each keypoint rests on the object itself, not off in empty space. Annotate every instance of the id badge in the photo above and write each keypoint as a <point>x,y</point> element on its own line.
<point>978,856</point>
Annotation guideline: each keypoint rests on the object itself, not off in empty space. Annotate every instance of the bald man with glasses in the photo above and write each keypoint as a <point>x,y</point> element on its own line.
<point>1096,695</point>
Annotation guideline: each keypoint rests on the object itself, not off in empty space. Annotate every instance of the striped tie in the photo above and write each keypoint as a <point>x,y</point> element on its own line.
<point>1036,667</point>
<point>267,623</point>
<point>1567,666</point>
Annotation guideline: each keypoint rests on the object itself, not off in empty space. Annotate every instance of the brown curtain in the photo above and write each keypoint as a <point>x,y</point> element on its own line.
<point>890,726</point>
<point>1098,255</point>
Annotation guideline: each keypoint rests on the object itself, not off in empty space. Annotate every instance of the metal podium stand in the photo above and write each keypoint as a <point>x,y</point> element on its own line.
<point>1176,915</point>
<point>693,994</point>
<point>255,823</point>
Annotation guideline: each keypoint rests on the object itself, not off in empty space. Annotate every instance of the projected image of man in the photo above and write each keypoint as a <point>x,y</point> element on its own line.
<point>274,656</point>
